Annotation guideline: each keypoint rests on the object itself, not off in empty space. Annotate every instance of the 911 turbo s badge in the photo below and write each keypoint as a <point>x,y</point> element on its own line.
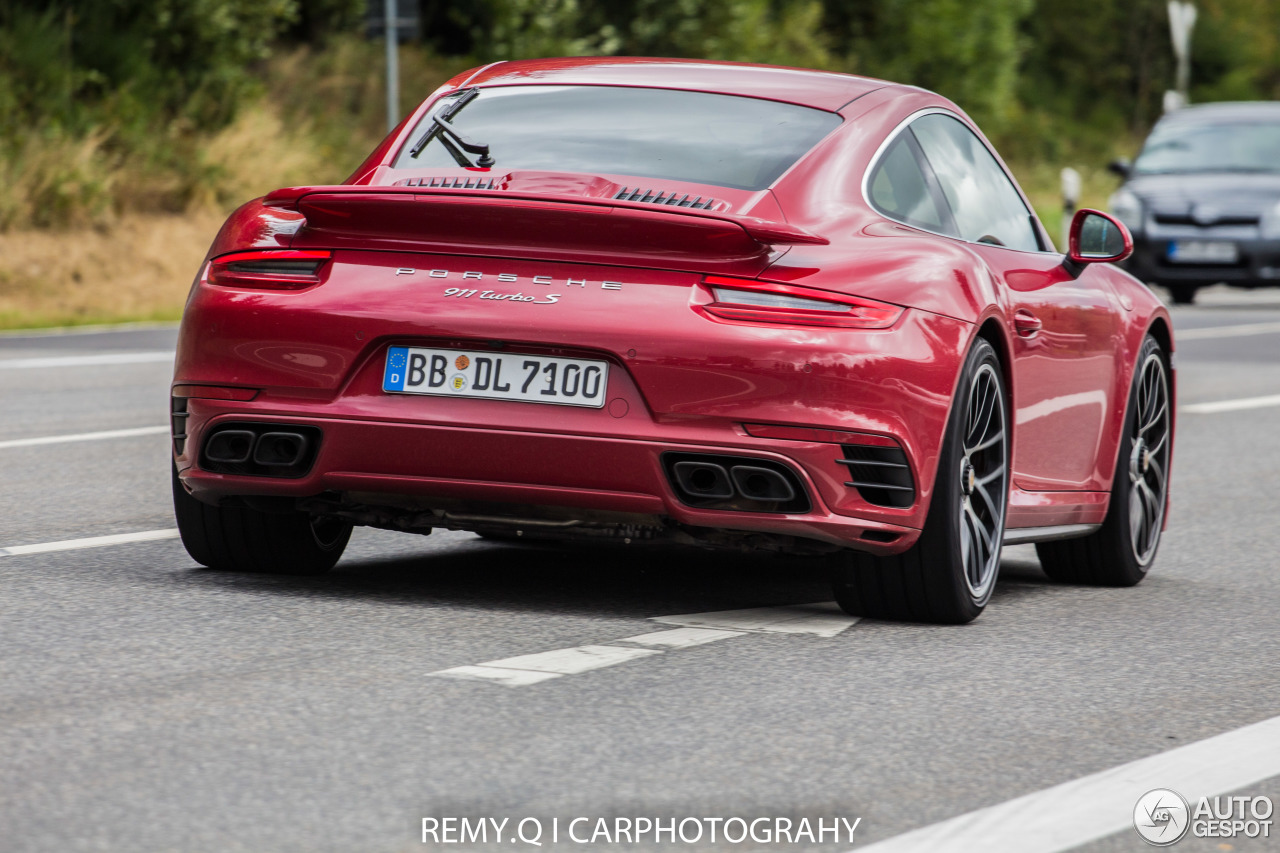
<point>507,278</point>
<point>463,293</point>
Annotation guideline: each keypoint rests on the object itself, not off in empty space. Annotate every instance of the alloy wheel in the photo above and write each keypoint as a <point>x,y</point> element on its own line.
<point>983,483</point>
<point>1149,460</point>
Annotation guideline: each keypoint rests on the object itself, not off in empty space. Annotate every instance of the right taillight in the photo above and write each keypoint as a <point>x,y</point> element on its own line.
<point>279,269</point>
<point>751,301</point>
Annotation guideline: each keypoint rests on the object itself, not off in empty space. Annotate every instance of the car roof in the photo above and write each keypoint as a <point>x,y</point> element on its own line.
<point>821,89</point>
<point>1230,111</point>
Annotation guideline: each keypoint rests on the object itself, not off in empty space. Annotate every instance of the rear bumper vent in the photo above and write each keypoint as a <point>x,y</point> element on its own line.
<point>880,474</point>
<point>260,450</point>
<point>450,183</point>
<point>740,483</point>
<point>178,416</point>
<point>669,199</point>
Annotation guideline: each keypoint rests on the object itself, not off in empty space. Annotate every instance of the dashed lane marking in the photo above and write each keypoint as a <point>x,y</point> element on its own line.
<point>90,542</point>
<point>87,360</point>
<point>822,619</point>
<point>1233,405</point>
<point>83,436</point>
<point>1240,331</point>
<point>1065,816</point>
<point>680,638</point>
<point>530,669</point>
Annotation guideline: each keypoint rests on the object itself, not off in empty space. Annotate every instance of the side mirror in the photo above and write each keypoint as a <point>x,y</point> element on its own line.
<point>1120,167</point>
<point>1095,237</point>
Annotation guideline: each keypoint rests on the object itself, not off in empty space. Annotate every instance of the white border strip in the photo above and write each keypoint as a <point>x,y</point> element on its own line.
<point>82,436</point>
<point>91,542</point>
<point>1233,405</point>
<point>87,360</point>
<point>1092,807</point>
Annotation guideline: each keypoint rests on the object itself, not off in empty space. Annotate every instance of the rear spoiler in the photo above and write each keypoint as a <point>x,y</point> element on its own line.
<point>512,224</point>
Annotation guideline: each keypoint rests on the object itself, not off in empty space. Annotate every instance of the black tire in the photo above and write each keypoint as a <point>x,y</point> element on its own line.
<point>949,574</point>
<point>1182,294</point>
<point>1120,553</point>
<point>240,539</point>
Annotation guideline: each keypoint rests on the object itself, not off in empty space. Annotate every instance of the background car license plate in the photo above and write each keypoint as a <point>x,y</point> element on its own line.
<point>496,376</point>
<point>1203,252</point>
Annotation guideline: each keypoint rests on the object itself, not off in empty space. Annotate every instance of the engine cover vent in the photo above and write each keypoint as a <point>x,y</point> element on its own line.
<point>450,183</point>
<point>669,199</point>
<point>880,474</point>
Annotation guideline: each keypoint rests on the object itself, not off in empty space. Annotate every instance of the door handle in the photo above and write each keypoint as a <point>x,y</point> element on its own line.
<point>1025,323</point>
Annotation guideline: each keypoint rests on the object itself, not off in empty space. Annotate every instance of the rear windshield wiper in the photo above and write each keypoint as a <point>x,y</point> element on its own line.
<point>440,124</point>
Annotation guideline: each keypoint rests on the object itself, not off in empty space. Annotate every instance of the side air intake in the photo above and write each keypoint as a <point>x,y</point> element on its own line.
<point>669,199</point>
<point>880,474</point>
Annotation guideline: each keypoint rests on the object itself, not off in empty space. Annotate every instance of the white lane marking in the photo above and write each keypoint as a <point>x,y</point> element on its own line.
<point>87,360</point>
<point>94,329</point>
<point>681,638</point>
<point>1065,816</point>
<point>547,665</point>
<point>1233,405</point>
<point>83,436</point>
<point>1226,331</point>
<point>91,542</point>
<point>821,618</point>
<point>505,677</point>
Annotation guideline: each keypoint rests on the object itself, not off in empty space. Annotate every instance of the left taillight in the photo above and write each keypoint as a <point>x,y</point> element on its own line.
<point>752,301</point>
<point>278,269</point>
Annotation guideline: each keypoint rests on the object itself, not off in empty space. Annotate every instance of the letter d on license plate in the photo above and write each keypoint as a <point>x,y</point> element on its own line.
<point>496,376</point>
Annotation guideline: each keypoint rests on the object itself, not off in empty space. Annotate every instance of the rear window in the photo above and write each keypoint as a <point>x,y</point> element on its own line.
<point>726,140</point>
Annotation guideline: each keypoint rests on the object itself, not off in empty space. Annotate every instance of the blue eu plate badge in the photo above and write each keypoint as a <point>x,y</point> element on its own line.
<point>397,361</point>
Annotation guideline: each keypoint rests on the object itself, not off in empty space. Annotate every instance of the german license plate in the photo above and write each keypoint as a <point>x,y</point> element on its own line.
<point>496,376</point>
<point>1203,252</point>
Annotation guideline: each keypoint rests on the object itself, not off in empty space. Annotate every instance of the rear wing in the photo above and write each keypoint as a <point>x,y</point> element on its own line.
<point>509,224</point>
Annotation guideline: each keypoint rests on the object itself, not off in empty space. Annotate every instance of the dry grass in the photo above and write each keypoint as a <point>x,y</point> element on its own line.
<point>119,264</point>
<point>92,232</point>
<point>138,269</point>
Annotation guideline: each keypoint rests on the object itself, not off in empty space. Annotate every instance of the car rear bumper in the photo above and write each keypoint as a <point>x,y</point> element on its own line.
<point>472,470</point>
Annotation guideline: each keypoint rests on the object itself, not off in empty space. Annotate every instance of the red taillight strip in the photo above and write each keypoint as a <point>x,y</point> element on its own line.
<point>221,271</point>
<point>852,312</point>
<point>275,255</point>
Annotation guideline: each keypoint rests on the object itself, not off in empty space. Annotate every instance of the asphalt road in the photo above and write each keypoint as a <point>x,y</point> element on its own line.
<point>149,705</point>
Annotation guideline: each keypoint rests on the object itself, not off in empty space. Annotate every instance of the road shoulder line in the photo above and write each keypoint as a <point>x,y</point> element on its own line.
<point>1066,816</point>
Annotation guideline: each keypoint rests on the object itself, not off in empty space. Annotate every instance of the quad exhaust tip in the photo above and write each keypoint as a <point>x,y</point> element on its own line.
<point>761,484</point>
<point>230,446</point>
<point>735,483</point>
<point>280,449</point>
<point>705,480</point>
<point>268,450</point>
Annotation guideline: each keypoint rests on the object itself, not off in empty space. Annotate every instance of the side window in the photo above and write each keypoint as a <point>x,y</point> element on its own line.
<point>898,189</point>
<point>986,207</point>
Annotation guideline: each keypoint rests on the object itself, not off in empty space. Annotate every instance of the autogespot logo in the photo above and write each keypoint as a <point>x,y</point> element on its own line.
<point>1162,817</point>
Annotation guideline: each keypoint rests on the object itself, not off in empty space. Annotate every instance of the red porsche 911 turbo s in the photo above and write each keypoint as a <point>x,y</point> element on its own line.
<point>683,302</point>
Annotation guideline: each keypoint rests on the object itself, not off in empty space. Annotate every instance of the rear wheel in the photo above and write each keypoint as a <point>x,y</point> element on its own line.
<point>1122,550</point>
<point>246,540</point>
<point>949,574</point>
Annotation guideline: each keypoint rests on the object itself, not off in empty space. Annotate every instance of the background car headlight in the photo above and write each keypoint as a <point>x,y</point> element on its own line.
<point>1270,227</point>
<point>1126,207</point>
